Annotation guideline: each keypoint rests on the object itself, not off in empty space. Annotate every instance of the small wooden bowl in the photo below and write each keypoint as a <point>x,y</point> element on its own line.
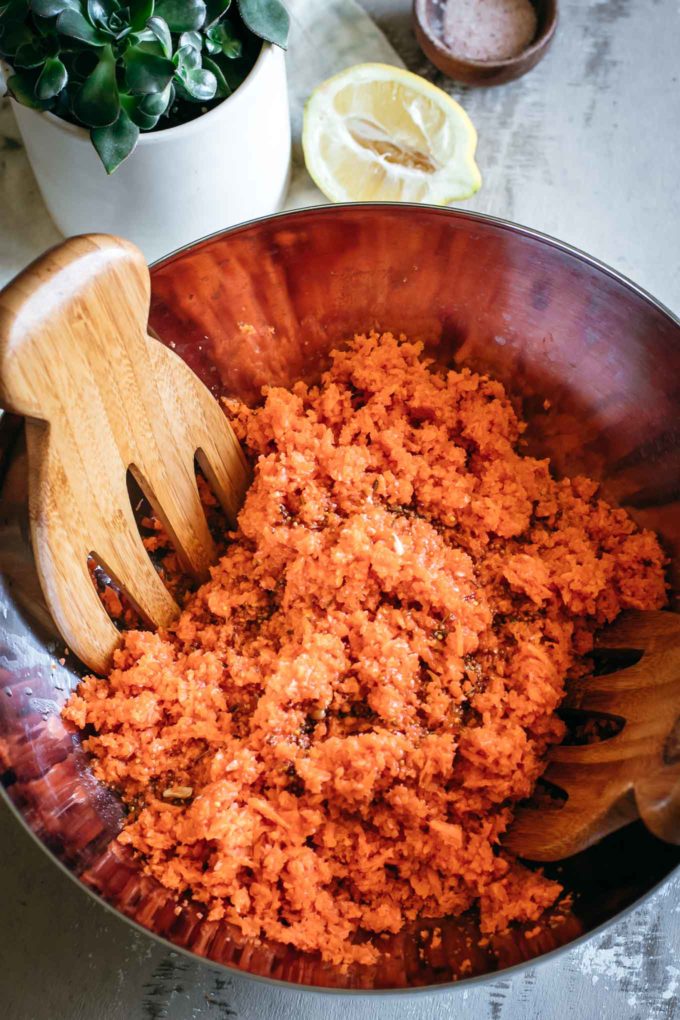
<point>427,15</point>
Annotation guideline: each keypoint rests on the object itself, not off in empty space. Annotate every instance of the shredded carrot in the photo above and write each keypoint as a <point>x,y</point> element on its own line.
<point>330,740</point>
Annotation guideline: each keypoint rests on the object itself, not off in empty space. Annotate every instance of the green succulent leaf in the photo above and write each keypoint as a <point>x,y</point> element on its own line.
<point>119,25</point>
<point>12,18</point>
<point>146,122</point>
<point>140,12</point>
<point>147,72</point>
<point>22,86</point>
<point>150,45</point>
<point>223,89</point>
<point>14,36</point>
<point>155,104</point>
<point>29,55</point>
<point>44,28</point>
<point>267,18</point>
<point>61,104</point>
<point>51,8</point>
<point>75,25</point>
<point>160,29</point>
<point>52,80</point>
<point>221,39</point>
<point>193,39</point>
<point>200,84</point>
<point>132,106</point>
<point>97,102</point>
<point>187,59</point>
<point>115,142</point>
<point>215,10</point>
<point>97,13</point>
<point>182,15</point>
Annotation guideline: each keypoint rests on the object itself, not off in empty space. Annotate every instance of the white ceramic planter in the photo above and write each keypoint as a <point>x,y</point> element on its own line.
<point>229,165</point>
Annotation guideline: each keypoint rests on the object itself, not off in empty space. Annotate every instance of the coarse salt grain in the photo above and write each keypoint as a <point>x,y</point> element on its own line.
<point>489,29</point>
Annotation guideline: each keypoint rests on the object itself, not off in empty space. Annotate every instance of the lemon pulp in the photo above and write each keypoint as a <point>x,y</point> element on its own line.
<point>379,133</point>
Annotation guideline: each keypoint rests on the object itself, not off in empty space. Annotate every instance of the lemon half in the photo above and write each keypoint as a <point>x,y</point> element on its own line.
<point>379,133</point>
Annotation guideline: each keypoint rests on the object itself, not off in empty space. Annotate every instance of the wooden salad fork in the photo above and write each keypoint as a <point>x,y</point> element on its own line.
<point>635,773</point>
<point>102,397</point>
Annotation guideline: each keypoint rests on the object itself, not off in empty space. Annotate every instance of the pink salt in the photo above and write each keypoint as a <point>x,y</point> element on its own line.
<point>489,29</point>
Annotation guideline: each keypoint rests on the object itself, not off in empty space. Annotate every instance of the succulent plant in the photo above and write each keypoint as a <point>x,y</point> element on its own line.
<point>119,67</point>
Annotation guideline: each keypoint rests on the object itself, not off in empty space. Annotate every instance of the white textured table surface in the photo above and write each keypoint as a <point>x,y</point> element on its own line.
<point>587,148</point>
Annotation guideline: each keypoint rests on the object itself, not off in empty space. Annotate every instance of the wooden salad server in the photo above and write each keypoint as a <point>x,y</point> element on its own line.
<point>100,397</point>
<point>635,773</point>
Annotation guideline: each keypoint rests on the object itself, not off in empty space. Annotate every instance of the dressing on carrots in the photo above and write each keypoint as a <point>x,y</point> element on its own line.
<point>331,739</point>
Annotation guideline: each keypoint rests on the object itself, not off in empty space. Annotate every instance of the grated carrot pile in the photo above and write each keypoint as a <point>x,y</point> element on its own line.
<point>331,739</point>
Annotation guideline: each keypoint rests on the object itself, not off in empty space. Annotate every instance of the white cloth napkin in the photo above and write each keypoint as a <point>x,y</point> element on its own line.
<point>326,36</point>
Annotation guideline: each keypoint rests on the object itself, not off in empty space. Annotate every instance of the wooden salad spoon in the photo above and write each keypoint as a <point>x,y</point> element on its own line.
<point>102,397</point>
<point>635,773</point>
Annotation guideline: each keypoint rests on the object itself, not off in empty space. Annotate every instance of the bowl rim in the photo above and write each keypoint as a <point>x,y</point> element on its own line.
<point>420,990</point>
<point>540,42</point>
<point>402,993</point>
<point>444,210</point>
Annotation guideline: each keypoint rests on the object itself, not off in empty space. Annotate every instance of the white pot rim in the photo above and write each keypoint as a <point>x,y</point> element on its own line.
<point>266,54</point>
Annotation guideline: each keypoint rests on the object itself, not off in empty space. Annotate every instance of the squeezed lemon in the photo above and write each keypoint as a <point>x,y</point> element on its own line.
<point>379,133</point>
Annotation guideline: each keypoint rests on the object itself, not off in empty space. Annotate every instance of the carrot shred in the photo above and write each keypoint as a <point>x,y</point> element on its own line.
<point>352,704</point>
